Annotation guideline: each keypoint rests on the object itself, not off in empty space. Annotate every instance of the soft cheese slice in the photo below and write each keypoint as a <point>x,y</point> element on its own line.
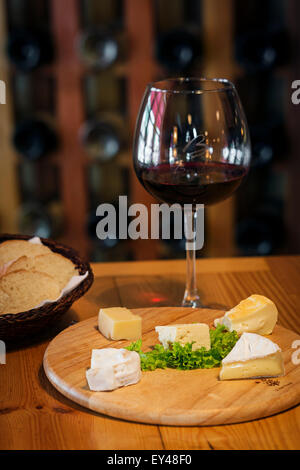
<point>101,357</point>
<point>256,314</point>
<point>252,356</point>
<point>184,333</point>
<point>119,323</point>
<point>113,368</point>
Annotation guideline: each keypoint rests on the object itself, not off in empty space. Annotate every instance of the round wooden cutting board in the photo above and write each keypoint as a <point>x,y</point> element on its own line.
<point>170,397</point>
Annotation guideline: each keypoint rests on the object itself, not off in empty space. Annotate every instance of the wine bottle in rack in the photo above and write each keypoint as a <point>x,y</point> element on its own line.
<point>110,249</point>
<point>257,92</point>
<point>38,182</point>
<point>105,91</point>
<point>261,50</point>
<point>34,138</point>
<point>255,14</point>
<point>104,12</point>
<point>173,248</point>
<point>103,137</point>
<point>170,246</point>
<point>177,50</point>
<point>28,50</point>
<point>261,233</point>
<point>101,49</point>
<point>106,182</point>
<point>101,249</point>
<point>40,220</point>
<point>34,96</point>
<point>269,143</point>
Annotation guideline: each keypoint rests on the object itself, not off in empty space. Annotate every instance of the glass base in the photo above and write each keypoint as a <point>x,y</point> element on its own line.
<point>191,301</point>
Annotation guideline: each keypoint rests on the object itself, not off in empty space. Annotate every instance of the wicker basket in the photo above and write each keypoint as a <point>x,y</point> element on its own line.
<point>25,324</point>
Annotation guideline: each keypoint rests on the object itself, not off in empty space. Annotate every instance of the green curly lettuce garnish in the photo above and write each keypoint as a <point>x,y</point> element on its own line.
<point>183,357</point>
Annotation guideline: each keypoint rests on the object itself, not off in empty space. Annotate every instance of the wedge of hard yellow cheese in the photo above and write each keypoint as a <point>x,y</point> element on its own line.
<point>119,323</point>
<point>256,314</point>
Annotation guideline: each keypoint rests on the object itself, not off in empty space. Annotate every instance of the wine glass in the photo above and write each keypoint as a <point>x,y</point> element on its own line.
<point>191,146</point>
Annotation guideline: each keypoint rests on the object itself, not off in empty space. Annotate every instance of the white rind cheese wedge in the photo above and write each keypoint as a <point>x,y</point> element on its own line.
<point>185,333</point>
<point>253,356</point>
<point>256,314</point>
<point>119,323</point>
<point>113,368</point>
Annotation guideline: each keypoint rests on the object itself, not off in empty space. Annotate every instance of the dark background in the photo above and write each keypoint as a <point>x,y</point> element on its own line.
<point>75,72</point>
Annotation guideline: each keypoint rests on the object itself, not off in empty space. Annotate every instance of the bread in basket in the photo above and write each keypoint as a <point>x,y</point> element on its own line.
<point>28,323</point>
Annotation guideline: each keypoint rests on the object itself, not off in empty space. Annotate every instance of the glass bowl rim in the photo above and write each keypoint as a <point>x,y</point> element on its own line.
<point>224,85</point>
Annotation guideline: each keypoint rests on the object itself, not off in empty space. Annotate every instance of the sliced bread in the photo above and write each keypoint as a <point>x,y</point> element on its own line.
<point>53,264</point>
<point>14,249</point>
<point>4,299</point>
<point>26,290</point>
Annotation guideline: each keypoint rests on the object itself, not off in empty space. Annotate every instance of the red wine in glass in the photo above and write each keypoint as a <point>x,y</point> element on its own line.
<point>191,147</point>
<point>192,183</point>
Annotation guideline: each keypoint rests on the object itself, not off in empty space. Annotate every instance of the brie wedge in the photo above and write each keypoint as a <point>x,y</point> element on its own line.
<point>185,333</point>
<point>113,368</point>
<point>253,356</point>
<point>256,314</point>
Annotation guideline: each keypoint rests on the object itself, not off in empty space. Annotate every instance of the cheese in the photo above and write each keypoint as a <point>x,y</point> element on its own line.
<point>101,357</point>
<point>113,368</point>
<point>185,333</point>
<point>256,314</point>
<point>252,356</point>
<point>119,323</point>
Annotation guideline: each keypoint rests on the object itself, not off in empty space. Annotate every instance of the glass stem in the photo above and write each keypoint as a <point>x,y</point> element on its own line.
<point>191,295</point>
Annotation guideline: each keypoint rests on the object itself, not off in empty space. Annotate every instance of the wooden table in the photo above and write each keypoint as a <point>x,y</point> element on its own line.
<point>33,415</point>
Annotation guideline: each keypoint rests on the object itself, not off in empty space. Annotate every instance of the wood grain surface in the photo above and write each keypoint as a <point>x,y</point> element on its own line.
<point>34,415</point>
<point>198,397</point>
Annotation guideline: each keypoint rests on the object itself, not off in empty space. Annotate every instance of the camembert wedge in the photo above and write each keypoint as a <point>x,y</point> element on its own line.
<point>185,333</point>
<point>112,368</point>
<point>253,356</point>
<point>256,314</point>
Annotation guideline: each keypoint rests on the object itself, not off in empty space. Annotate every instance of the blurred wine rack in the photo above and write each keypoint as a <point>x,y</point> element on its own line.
<point>265,58</point>
<point>76,71</point>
